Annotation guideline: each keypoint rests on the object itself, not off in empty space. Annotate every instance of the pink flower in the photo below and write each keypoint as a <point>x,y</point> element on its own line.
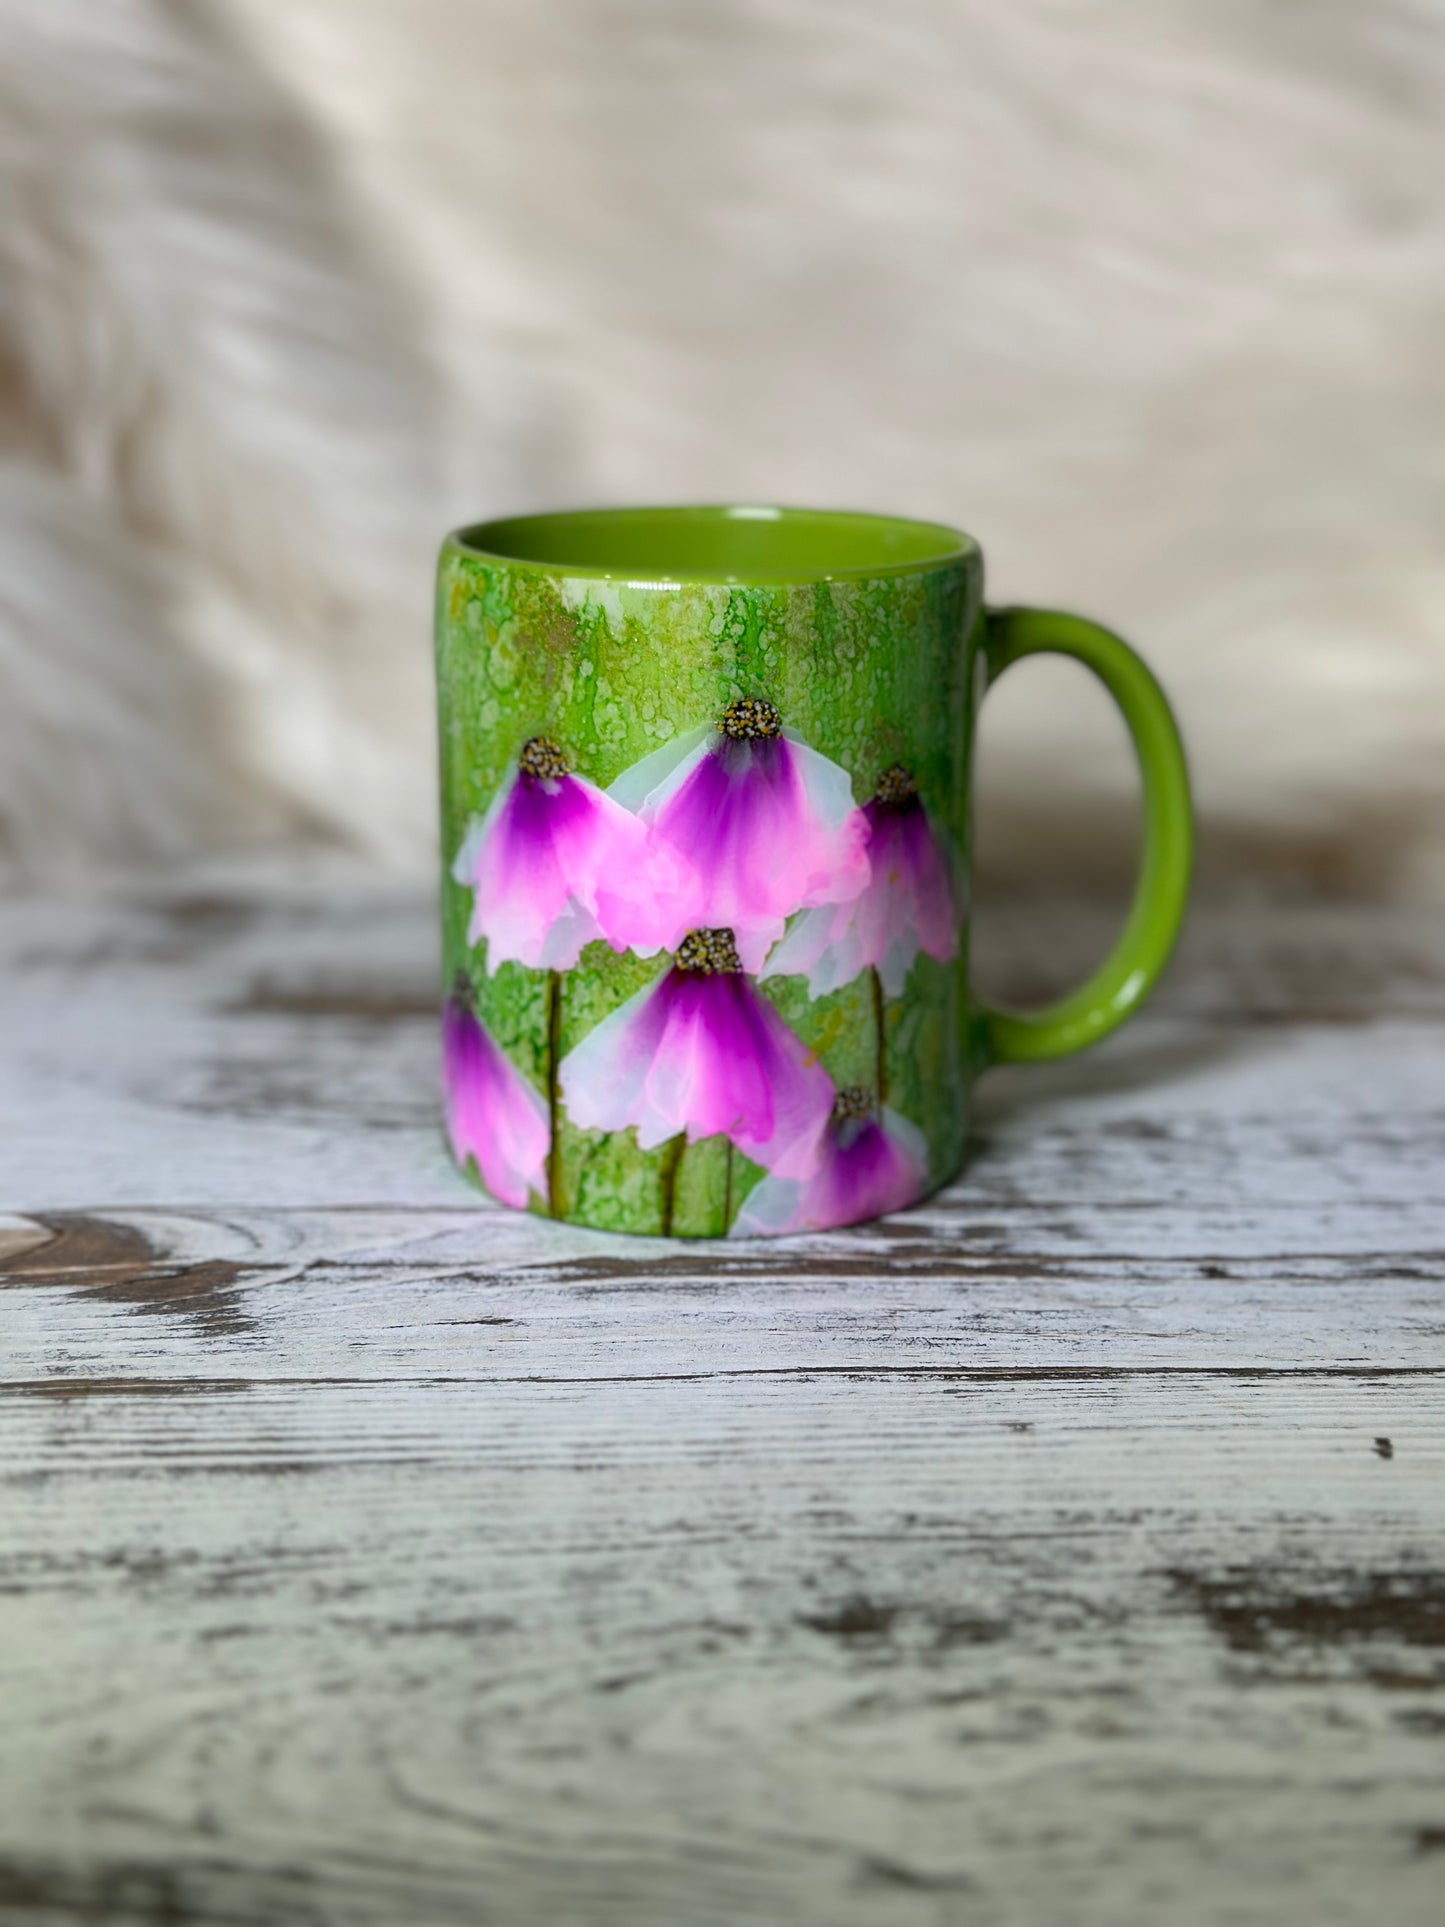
<point>700,1051</point>
<point>868,1166</point>
<point>766,824</point>
<point>493,1114</point>
<point>555,863</point>
<point>907,905</point>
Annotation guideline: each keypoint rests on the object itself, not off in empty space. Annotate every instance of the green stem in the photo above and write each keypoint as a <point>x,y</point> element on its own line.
<point>728,1189</point>
<point>880,1040</point>
<point>554,1107</point>
<point>667,1179</point>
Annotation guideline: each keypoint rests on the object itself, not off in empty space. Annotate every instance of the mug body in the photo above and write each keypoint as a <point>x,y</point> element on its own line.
<point>705,793</point>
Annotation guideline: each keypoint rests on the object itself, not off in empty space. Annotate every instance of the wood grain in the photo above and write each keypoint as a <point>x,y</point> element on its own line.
<point>1070,1549</point>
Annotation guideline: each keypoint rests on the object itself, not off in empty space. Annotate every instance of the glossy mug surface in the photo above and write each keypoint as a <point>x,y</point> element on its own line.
<point>705,787</point>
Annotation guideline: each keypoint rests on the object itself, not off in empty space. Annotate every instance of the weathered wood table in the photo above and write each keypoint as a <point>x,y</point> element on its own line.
<point>1069,1550</point>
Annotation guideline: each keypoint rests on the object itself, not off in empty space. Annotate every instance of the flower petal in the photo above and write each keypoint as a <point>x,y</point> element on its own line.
<point>921,912</point>
<point>825,945</point>
<point>706,1055</point>
<point>633,787</point>
<point>766,825</point>
<point>492,1113</point>
<point>642,889</point>
<point>711,1071</point>
<point>906,907</point>
<point>556,864</point>
<point>602,1078</point>
<point>867,1168</point>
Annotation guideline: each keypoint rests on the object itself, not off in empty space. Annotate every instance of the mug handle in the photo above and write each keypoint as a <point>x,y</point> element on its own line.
<point>1128,973</point>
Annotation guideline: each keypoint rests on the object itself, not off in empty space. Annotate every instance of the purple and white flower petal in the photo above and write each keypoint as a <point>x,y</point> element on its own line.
<point>700,1051</point>
<point>492,1112</point>
<point>766,824</point>
<point>906,906</point>
<point>868,1166</point>
<point>555,864</point>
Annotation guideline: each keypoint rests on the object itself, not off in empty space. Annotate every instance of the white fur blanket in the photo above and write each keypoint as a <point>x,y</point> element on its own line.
<point>1146,293</point>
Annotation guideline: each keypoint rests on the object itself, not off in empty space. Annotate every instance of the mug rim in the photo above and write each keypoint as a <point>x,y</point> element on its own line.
<point>898,545</point>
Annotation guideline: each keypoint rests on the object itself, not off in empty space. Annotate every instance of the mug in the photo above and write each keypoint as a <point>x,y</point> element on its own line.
<point>705,801</point>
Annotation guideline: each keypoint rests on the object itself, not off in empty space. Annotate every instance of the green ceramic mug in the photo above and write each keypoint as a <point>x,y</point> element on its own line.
<point>705,779</point>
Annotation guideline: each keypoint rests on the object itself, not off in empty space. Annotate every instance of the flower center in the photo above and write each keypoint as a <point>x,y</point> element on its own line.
<point>854,1100</point>
<point>709,953</point>
<point>748,719</point>
<point>896,788</point>
<point>541,757</point>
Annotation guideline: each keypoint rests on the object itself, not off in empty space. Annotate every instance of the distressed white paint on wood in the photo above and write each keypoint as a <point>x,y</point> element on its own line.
<point>1071,1549</point>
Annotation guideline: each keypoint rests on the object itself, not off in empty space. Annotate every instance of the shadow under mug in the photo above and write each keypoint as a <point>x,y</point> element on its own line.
<point>705,795</point>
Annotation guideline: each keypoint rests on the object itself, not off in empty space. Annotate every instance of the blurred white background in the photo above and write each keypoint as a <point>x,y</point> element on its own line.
<point>1149,295</point>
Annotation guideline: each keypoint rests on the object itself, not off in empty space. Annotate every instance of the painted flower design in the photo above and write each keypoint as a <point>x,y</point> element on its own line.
<point>700,1051</point>
<point>492,1112</point>
<point>556,863</point>
<point>767,824</point>
<point>906,906</point>
<point>868,1165</point>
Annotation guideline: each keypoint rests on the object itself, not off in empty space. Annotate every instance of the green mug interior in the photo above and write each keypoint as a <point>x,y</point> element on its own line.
<point>754,544</point>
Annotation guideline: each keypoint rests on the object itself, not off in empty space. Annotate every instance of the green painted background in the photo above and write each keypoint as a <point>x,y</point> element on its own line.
<point>869,672</point>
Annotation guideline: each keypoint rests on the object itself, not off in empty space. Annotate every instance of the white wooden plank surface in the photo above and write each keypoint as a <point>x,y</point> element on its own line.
<point>1071,1549</point>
